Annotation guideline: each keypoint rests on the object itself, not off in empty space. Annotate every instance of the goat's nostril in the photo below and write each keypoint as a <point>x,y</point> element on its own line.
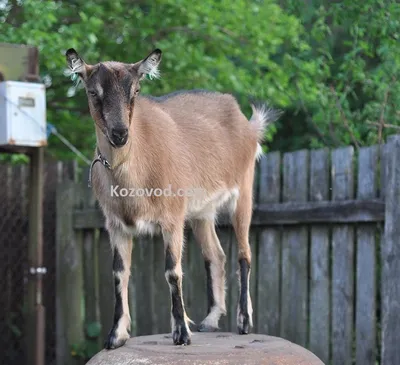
<point>119,133</point>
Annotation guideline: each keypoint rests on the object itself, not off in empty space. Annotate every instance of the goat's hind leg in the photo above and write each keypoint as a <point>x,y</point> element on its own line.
<point>214,262</point>
<point>241,223</point>
<point>122,252</point>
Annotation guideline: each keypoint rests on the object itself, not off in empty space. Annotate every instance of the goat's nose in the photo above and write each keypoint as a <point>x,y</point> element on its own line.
<point>119,135</point>
<point>119,132</point>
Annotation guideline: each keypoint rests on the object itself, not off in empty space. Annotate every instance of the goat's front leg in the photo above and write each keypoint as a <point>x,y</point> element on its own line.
<point>122,250</point>
<point>173,243</point>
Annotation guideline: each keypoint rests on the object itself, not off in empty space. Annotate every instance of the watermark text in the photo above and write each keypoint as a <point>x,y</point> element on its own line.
<point>117,191</point>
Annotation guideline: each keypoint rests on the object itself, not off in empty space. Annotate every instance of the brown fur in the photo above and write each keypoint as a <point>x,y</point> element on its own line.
<point>177,147</point>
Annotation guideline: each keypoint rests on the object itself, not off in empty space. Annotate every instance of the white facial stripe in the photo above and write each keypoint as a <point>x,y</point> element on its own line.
<point>99,89</point>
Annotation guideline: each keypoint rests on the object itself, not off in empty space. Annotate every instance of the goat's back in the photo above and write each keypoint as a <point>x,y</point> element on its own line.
<point>205,130</point>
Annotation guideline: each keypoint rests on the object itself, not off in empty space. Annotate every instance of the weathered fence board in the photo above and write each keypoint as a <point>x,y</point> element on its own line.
<point>269,255</point>
<point>349,211</point>
<point>90,265</point>
<point>145,306</point>
<point>55,173</point>
<point>196,297</point>
<point>224,236</point>
<point>342,261</point>
<point>366,262</point>
<point>69,286</point>
<point>383,170</point>
<point>390,251</point>
<point>315,258</point>
<point>319,260</point>
<point>106,284</point>
<point>162,312</point>
<point>295,253</point>
<point>16,322</point>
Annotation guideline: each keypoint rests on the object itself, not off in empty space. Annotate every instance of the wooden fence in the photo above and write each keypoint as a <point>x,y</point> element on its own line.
<point>15,320</point>
<point>325,239</point>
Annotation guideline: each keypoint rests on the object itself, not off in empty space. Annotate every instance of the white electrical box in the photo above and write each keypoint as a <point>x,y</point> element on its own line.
<point>22,114</point>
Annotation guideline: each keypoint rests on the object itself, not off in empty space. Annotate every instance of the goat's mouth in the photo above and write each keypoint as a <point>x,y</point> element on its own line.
<point>118,140</point>
<point>117,144</point>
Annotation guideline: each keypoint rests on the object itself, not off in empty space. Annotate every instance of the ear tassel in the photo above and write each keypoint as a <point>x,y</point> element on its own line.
<point>152,73</point>
<point>74,76</point>
<point>76,63</point>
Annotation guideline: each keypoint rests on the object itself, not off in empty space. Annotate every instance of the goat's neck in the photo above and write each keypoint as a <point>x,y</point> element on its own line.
<point>115,156</point>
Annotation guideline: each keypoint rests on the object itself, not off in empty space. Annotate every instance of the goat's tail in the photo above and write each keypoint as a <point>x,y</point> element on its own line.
<point>263,116</point>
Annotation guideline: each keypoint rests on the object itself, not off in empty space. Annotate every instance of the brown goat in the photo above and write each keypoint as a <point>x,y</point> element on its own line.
<point>185,140</point>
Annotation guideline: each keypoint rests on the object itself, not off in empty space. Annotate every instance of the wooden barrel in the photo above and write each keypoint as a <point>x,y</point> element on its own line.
<point>214,348</point>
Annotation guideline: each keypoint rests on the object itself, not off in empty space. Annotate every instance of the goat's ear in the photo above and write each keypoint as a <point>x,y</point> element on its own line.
<point>76,64</point>
<point>149,65</point>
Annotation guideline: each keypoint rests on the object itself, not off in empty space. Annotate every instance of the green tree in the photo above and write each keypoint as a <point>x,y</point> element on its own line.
<point>356,45</point>
<point>332,66</point>
<point>248,49</point>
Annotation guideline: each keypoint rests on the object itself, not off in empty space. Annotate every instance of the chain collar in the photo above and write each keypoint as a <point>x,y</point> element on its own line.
<point>104,162</point>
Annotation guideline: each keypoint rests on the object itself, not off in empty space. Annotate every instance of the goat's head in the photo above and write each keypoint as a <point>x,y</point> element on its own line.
<point>111,88</point>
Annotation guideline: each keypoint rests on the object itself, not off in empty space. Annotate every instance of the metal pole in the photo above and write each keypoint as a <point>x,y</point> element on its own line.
<point>36,311</point>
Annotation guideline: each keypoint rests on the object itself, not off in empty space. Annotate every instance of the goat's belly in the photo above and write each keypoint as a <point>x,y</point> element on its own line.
<point>142,227</point>
<point>139,227</point>
<point>207,206</point>
<point>202,206</point>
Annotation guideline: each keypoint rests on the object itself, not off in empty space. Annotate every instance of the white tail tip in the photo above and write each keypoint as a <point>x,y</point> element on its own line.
<point>259,152</point>
<point>262,117</point>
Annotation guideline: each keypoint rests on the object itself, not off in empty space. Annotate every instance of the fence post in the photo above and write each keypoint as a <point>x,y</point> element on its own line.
<point>390,252</point>
<point>90,270</point>
<point>34,304</point>
<point>69,284</point>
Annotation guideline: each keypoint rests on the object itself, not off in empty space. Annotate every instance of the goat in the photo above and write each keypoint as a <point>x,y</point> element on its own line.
<point>184,140</point>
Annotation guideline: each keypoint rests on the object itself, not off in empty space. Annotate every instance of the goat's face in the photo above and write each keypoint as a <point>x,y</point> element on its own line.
<point>111,88</point>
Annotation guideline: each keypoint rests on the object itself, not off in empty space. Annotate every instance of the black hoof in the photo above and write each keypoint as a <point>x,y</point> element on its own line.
<point>243,324</point>
<point>204,328</point>
<point>181,335</point>
<point>113,341</point>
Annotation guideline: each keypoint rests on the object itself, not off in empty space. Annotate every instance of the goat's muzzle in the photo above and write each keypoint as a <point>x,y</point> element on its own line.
<point>119,136</point>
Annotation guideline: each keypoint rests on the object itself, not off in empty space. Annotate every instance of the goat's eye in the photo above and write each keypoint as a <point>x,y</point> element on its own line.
<point>92,93</point>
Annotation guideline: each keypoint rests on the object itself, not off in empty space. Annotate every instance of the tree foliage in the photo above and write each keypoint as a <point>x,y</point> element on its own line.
<point>356,45</point>
<point>331,66</point>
